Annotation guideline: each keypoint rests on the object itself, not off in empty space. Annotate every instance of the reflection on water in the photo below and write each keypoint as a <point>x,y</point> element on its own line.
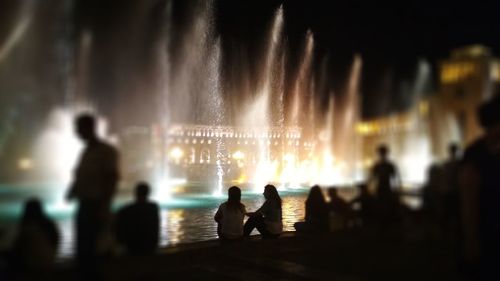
<point>184,218</point>
<point>171,231</point>
<point>197,224</point>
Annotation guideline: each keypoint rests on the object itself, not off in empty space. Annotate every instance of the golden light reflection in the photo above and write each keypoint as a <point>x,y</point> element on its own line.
<point>170,225</point>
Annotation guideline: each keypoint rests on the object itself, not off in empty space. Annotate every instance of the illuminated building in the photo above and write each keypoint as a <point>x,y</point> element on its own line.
<point>469,77</point>
<point>193,150</point>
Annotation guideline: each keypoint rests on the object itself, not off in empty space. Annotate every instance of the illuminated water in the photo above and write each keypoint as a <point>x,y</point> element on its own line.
<point>186,217</point>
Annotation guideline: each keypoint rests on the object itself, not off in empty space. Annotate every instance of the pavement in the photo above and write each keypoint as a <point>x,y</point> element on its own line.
<point>345,255</point>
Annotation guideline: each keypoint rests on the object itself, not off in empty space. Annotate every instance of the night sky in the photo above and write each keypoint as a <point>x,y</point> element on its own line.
<point>391,37</point>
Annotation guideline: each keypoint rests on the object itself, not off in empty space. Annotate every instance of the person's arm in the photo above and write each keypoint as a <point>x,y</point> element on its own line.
<point>218,215</point>
<point>398,183</point>
<point>112,174</point>
<point>469,197</point>
<point>261,210</point>
<point>71,194</point>
<point>53,233</point>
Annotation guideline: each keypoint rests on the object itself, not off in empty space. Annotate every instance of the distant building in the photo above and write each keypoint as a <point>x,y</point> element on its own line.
<point>468,77</point>
<point>197,151</point>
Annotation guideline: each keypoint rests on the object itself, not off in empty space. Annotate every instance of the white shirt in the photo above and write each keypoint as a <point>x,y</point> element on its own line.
<point>232,221</point>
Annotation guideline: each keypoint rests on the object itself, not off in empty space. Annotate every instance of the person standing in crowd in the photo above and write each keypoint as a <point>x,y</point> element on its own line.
<point>385,175</point>
<point>365,204</point>
<point>138,224</point>
<point>230,216</point>
<point>316,217</point>
<point>449,188</point>
<point>267,219</point>
<point>35,246</point>
<point>340,210</point>
<point>94,184</point>
<point>479,182</point>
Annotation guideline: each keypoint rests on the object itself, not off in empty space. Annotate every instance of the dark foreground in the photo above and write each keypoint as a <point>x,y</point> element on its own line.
<point>352,255</point>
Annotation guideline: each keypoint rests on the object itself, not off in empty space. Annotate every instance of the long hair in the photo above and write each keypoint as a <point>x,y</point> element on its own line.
<point>315,205</point>
<point>234,199</point>
<point>315,196</point>
<point>272,194</point>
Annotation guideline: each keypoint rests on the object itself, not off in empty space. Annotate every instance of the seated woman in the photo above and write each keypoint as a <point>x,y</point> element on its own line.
<point>35,246</point>
<point>230,215</point>
<point>267,219</point>
<point>316,218</point>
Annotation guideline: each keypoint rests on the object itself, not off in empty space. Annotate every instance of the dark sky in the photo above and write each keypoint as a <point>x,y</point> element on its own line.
<point>390,36</point>
<point>380,30</point>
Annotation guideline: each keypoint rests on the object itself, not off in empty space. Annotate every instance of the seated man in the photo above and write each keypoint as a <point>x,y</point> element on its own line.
<point>340,211</point>
<point>367,205</point>
<point>138,223</point>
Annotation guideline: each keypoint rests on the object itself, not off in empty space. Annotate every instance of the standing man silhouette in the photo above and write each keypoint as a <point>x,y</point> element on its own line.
<point>94,184</point>
<point>385,174</point>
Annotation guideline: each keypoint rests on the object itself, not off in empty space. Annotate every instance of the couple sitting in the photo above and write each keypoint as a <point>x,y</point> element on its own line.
<point>267,219</point>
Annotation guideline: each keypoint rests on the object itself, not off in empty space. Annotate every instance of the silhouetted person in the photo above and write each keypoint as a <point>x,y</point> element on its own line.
<point>385,174</point>
<point>449,193</point>
<point>267,219</point>
<point>316,217</point>
<point>430,192</point>
<point>37,240</point>
<point>367,205</point>
<point>386,177</point>
<point>94,184</point>
<point>337,204</point>
<point>480,194</point>
<point>138,224</point>
<point>230,215</point>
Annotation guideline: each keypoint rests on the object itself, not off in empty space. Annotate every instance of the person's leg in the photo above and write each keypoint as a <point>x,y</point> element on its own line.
<point>88,227</point>
<point>260,224</point>
<point>250,224</point>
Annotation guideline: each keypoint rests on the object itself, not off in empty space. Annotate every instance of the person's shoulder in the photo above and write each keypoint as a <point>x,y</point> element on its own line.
<point>474,151</point>
<point>153,205</point>
<point>127,209</point>
<point>106,147</point>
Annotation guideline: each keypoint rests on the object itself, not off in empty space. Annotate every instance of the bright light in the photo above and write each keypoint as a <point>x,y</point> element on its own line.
<point>25,164</point>
<point>176,153</point>
<point>238,155</point>
<point>289,157</point>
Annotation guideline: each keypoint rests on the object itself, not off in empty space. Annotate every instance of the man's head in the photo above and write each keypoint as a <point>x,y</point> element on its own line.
<point>333,192</point>
<point>142,192</point>
<point>85,127</point>
<point>383,151</point>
